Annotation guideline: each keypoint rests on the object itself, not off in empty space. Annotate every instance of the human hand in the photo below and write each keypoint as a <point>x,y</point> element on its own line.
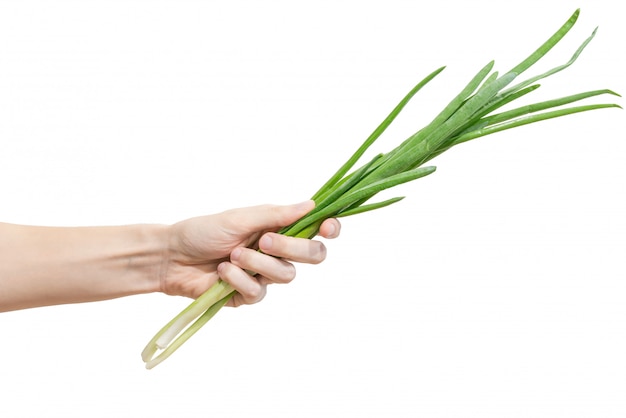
<point>207,248</point>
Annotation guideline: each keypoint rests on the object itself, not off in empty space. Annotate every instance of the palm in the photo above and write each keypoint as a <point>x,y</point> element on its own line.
<point>204,243</point>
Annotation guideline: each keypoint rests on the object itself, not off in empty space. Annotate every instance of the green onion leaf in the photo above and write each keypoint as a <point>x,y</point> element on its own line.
<point>469,115</point>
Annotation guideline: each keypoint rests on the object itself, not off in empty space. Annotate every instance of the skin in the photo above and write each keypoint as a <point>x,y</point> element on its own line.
<point>41,266</point>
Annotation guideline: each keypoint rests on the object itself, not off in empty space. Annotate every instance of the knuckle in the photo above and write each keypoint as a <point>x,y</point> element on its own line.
<point>239,256</point>
<point>254,293</point>
<point>289,274</point>
<point>276,213</point>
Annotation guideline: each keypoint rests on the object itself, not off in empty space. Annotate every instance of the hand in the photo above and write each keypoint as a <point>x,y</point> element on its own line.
<point>207,248</point>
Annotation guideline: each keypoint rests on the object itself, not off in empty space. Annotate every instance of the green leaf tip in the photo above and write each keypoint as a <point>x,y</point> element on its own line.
<point>613,93</point>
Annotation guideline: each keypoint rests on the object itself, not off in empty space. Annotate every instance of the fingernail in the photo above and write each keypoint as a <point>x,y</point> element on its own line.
<point>265,242</point>
<point>332,230</point>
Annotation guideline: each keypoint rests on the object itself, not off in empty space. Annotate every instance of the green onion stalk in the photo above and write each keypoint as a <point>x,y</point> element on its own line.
<point>472,114</point>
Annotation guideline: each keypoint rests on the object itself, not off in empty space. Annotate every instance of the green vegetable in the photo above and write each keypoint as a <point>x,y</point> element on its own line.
<point>471,114</point>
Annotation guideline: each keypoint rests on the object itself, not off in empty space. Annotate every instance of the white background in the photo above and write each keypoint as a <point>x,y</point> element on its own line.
<point>496,289</point>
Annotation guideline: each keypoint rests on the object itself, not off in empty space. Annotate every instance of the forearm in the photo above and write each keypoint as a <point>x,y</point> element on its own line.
<point>48,265</point>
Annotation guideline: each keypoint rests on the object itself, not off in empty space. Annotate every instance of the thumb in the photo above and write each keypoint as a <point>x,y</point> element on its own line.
<point>267,217</point>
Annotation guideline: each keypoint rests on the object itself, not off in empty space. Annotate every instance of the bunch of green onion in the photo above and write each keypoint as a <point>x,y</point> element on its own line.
<point>471,114</point>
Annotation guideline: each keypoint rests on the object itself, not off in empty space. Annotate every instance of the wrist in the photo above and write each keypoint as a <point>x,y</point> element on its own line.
<point>150,263</point>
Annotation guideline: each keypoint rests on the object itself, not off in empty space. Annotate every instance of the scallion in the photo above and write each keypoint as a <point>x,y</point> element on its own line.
<point>469,115</point>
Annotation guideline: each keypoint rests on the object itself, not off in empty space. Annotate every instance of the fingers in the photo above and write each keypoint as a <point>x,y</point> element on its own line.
<point>272,217</point>
<point>272,268</point>
<point>295,249</point>
<point>268,269</point>
<point>268,217</point>
<point>330,228</point>
<point>249,289</point>
<point>270,265</point>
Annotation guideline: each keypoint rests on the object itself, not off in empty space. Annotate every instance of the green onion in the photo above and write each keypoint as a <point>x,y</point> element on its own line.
<point>469,115</point>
